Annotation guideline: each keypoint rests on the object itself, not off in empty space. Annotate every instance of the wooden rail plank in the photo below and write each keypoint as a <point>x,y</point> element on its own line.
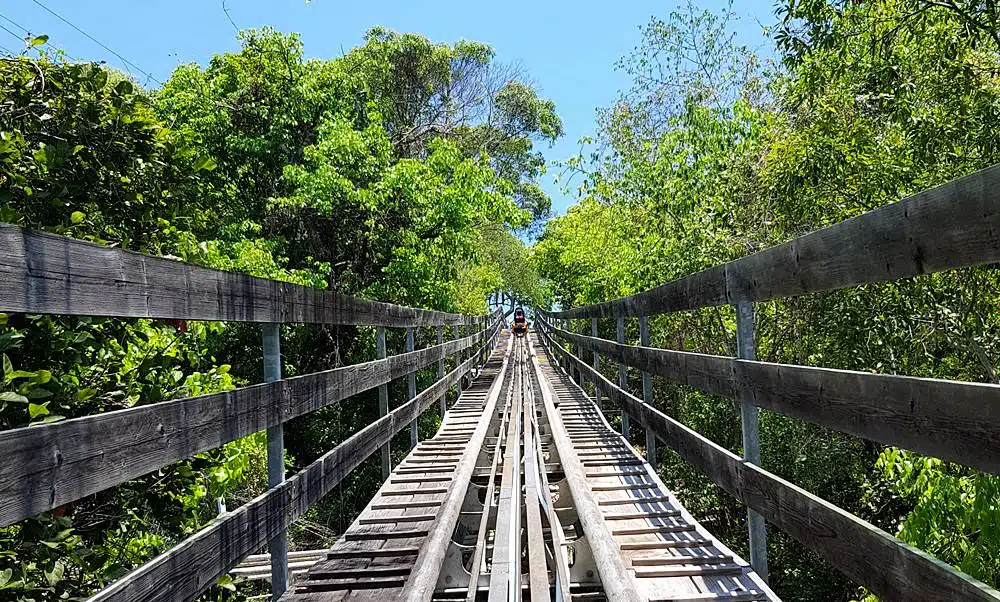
<point>53,464</point>
<point>889,567</point>
<point>420,587</point>
<point>954,225</point>
<point>44,273</point>
<point>618,581</point>
<point>189,568</point>
<point>956,421</point>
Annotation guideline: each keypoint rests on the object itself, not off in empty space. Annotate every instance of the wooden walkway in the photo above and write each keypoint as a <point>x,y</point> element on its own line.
<point>510,440</point>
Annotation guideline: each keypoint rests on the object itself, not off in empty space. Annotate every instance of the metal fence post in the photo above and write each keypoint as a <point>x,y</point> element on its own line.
<point>750,422</point>
<point>278,547</point>
<point>444,398</point>
<point>383,400</point>
<point>647,393</point>
<point>623,375</point>
<point>597,362</point>
<point>458,358</point>
<point>411,389</point>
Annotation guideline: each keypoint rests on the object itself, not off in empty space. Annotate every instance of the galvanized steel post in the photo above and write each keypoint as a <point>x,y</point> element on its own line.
<point>444,398</point>
<point>597,361</point>
<point>458,358</point>
<point>411,389</point>
<point>623,375</point>
<point>647,393</point>
<point>750,421</point>
<point>278,547</point>
<point>383,400</point>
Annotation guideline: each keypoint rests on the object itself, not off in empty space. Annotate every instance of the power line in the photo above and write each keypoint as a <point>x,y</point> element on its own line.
<point>13,22</point>
<point>28,34</point>
<point>98,42</point>
<point>12,33</point>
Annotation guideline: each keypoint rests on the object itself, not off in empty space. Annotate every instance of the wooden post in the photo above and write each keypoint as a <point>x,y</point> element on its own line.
<point>444,398</point>
<point>278,547</point>
<point>411,389</point>
<point>623,375</point>
<point>647,393</point>
<point>750,421</point>
<point>383,400</point>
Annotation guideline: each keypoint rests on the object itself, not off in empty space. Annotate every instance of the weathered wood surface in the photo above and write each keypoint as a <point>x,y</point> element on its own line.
<point>416,509</point>
<point>432,555</point>
<point>188,569</point>
<point>54,464</point>
<point>657,538</point>
<point>887,566</point>
<point>44,273</point>
<point>956,421</point>
<point>952,226</point>
<point>618,582</point>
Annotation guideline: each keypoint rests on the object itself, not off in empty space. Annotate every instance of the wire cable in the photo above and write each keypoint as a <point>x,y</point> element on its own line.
<point>27,35</point>
<point>21,38</point>
<point>98,42</point>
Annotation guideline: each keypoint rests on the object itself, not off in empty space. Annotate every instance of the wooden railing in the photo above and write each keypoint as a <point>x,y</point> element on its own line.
<point>953,226</point>
<point>53,464</point>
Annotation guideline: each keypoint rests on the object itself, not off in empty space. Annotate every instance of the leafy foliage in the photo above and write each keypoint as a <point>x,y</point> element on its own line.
<point>713,154</point>
<point>266,163</point>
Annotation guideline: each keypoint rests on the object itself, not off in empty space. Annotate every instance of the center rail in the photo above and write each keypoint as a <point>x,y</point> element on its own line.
<point>527,493</point>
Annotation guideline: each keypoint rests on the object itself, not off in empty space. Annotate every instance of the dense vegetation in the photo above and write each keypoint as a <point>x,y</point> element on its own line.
<point>400,172</point>
<point>714,152</point>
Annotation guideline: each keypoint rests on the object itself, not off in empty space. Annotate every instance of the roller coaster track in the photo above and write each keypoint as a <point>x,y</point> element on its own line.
<point>526,493</point>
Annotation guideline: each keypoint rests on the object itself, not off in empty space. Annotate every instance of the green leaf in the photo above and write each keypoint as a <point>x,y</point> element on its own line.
<point>85,394</point>
<point>77,216</point>
<point>12,396</point>
<point>226,583</point>
<point>35,410</point>
<point>55,575</point>
<point>204,162</point>
<point>19,374</point>
<point>5,576</point>
<point>38,393</point>
<point>124,87</point>
<point>7,366</point>
<point>39,40</point>
<point>48,419</point>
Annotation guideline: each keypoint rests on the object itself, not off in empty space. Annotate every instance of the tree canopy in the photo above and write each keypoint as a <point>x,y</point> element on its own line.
<point>398,172</point>
<point>715,152</point>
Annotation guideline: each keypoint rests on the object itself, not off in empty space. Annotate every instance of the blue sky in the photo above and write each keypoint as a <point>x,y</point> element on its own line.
<point>568,47</point>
